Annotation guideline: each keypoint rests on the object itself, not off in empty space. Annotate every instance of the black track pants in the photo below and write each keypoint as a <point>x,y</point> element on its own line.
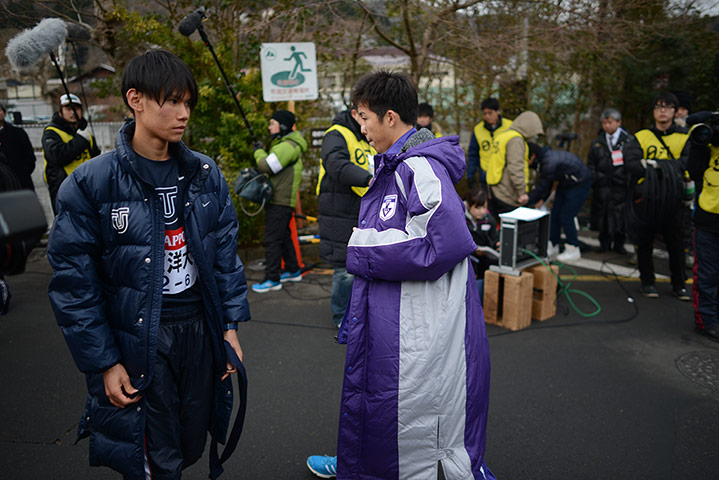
<point>179,398</point>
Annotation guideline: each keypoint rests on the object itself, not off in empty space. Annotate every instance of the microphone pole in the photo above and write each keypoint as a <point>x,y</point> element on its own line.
<point>82,89</point>
<point>62,80</point>
<point>206,40</point>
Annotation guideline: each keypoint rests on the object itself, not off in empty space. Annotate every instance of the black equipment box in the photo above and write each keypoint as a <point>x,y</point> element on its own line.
<point>522,230</point>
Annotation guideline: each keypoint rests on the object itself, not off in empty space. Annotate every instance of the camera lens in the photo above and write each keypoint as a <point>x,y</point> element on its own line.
<point>701,134</point>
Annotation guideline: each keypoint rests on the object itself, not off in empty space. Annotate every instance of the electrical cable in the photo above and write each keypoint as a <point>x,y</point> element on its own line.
<point>566,291</point>
<point>312,299</point>
<point>658,195</point>
<point>290,324</point>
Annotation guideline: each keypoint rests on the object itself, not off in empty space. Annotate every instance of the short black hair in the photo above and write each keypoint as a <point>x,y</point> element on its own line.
<point>425,110</point>
<point>2,107</point>
<point>491,103</point>
<point>160,75</point>
<point>382,91</point>
<point>666,98</point>
<point>476,196</point>
<point>535,149</point>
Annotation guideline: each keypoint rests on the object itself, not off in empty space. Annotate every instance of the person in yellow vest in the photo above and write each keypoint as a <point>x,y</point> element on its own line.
<point>703,166</point>
<point>508,164</point>
<point>659,183</point>
<point>345,173</point>
<point>425,119</point>
<point>480,144</point>
<point>66,143</point>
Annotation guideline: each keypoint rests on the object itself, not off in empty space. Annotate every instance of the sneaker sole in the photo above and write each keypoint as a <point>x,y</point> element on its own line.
<point>321,475</point>
<point>298,278</point>
<point>265,290</point>
<point>650,295</point>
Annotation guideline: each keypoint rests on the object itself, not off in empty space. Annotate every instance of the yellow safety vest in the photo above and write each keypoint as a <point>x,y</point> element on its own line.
<point>498,158</point>
<point>709,197</point>
<point>82,158</point>
<point>653,148</point>
<point>485,138</point>
<point>360,154</point>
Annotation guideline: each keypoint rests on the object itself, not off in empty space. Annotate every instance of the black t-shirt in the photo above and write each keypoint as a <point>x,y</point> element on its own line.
<point>180,287</point>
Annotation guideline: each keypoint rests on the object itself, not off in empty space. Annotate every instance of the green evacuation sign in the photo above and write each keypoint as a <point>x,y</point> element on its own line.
<point>289,71</point>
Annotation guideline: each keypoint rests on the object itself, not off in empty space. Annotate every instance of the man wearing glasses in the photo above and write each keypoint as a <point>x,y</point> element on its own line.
<point>658,180</point>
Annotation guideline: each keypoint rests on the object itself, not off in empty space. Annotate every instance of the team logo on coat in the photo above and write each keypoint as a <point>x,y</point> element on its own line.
<point>119,218</point>
<point>388,207</point>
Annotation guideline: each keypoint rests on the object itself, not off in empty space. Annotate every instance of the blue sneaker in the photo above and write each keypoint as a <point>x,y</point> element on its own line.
<point>266,286</point>
<point>291,277</point>
<point>322,466</point>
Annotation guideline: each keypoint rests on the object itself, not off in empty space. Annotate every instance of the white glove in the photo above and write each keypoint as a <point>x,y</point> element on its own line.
<point>647,162</point>
<point>85,133</point>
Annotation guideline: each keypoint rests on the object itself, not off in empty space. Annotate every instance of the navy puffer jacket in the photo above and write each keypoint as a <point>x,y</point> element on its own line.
<point>561,166</point>
<point>106,249</point>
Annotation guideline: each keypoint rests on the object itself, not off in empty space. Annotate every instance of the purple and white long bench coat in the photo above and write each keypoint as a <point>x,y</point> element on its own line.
<point>416,382</point>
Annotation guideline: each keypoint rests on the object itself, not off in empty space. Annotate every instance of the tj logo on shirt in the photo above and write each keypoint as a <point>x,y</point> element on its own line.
<point>168,196</point>
<point>180,270</point>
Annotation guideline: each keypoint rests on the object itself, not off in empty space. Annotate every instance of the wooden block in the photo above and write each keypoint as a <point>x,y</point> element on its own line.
<point>544,295</point>
<point>508,299</point>
<point>490,302</point>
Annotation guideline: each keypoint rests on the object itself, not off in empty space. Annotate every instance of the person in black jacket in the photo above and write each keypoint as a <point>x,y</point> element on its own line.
<point>610,180</point>
<point>703,167</point>
<point>19,155</point>
<point>574,182</point>
<point>345,173</point>
<point>66,143</point>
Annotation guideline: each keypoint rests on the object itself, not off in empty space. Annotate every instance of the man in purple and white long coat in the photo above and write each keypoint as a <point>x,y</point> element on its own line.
<point>416,383</point>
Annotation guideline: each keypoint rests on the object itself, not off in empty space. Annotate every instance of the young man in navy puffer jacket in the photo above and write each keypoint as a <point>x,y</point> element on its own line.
<point>147,285</point>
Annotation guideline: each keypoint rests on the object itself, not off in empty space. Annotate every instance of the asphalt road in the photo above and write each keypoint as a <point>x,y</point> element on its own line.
<point>632,392</point>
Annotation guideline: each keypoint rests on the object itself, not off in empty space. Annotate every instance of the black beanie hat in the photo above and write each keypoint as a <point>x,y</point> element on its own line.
<point>685,99</point>
<point>285,118</point>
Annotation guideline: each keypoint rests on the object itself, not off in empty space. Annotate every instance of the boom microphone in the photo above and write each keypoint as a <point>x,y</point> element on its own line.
<point>77,32</point>
<point>190,23</point>
<point>26,48</point>
<point>193,22</point>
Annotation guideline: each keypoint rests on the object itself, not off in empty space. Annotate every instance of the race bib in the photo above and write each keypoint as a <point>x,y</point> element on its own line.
<point>180,271</point>
<point>617,158</point>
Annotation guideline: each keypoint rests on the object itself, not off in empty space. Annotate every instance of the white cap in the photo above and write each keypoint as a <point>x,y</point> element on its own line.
<point>72,98</point>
